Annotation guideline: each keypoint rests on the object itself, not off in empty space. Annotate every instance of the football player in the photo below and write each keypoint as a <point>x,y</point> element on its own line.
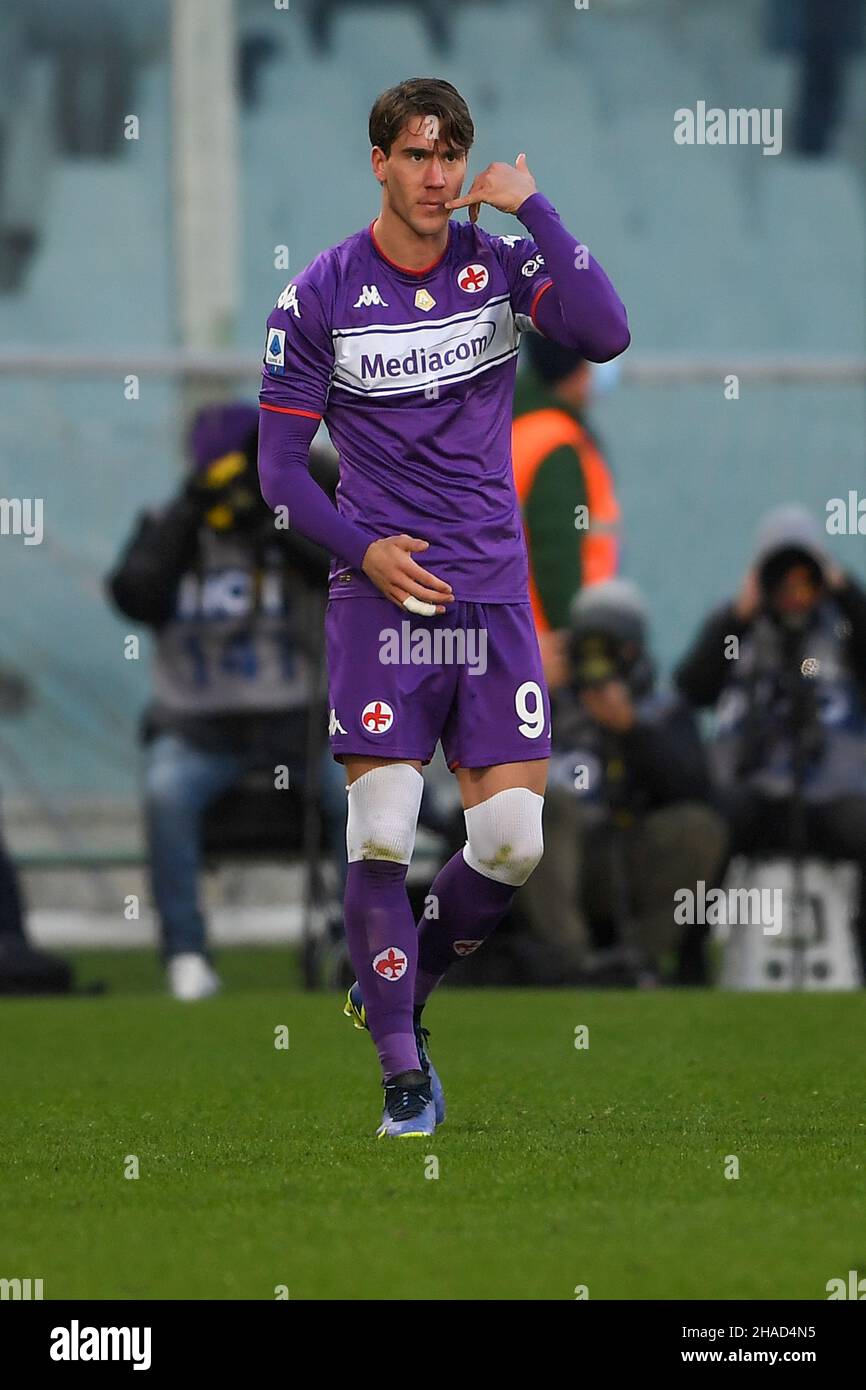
<point>404,338</point>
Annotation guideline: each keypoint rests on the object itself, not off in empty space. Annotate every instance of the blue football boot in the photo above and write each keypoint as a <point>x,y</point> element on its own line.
<point>409,1110</point>
<point>354,1009</point>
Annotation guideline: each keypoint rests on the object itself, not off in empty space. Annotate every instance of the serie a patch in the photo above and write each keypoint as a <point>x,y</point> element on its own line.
<point>275,349</point>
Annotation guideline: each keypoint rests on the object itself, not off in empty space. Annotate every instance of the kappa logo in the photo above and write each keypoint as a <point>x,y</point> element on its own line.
<point>334,725</point>
<point>368,297</point>
<point>530,267</point>
<point>390,964</point>
<point>473,278</point>
<point>510,240</point>
<point>465,948</point>
<point>377,717</point>
<point>289,300</point>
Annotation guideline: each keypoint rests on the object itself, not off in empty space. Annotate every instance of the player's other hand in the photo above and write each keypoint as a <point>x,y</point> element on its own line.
<point>503,186</point>
<point>388,562</point>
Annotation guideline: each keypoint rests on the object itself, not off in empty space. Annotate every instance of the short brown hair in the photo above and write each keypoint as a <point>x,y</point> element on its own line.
<point>421,96</point>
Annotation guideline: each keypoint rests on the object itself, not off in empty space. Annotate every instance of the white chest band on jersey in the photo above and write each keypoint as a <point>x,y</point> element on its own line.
<point>383,814</point>
<point>504,839</point>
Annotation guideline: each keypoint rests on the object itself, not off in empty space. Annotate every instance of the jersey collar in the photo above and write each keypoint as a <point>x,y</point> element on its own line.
<point>404,269</point>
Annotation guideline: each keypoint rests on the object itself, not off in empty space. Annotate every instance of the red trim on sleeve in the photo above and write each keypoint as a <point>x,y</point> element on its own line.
<point>289,410</point>
<point>534,303</point>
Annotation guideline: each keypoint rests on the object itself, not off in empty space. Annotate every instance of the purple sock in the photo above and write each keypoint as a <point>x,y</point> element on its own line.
<point>383,947</point>
<point>470,906</point>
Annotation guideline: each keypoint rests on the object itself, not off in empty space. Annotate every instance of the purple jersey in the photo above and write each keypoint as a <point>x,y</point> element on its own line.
<point>413,372</point>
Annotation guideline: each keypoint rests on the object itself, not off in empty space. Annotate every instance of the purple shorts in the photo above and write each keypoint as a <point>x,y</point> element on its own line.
<point>471,677</point>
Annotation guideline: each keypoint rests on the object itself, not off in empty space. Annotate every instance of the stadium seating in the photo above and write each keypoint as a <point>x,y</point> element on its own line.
<point>733,256</point>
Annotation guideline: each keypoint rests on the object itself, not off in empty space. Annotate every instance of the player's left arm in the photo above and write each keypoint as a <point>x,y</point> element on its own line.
<point>578,307</point>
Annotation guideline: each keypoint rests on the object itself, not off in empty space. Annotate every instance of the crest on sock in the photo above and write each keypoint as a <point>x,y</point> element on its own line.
<point>391,963</point>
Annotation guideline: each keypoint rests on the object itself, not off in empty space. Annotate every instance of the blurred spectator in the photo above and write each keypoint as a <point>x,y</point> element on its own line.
<point>254,52</point>
<point>229,594</point>
<point>11,914</point>
<point>570,511</point>
<point>827,34</point>
<point>626,820</point>
<point>15,696</point>
<point>789,750</point>
<point>23,969</point>
<point>436,16</point>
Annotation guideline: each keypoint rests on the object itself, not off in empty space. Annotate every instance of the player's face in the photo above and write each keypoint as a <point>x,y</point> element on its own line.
<point>421,174</point>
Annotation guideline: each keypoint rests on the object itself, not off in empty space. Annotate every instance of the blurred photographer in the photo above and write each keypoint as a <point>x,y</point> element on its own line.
<point>229,596</point>
<point>627,819</point>
<point>23,968</point>
<point>784,665</point>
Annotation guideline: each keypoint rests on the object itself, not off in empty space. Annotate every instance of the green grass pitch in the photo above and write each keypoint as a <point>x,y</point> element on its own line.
<point>557,1167</point>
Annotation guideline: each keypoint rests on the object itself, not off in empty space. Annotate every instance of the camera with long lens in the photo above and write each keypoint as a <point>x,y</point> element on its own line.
<point>607,638</point>
<point>236,499</point>
<point>595,658</point>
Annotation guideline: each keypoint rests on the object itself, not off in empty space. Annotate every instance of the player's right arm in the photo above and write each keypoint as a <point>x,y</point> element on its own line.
<point>297,369</point>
